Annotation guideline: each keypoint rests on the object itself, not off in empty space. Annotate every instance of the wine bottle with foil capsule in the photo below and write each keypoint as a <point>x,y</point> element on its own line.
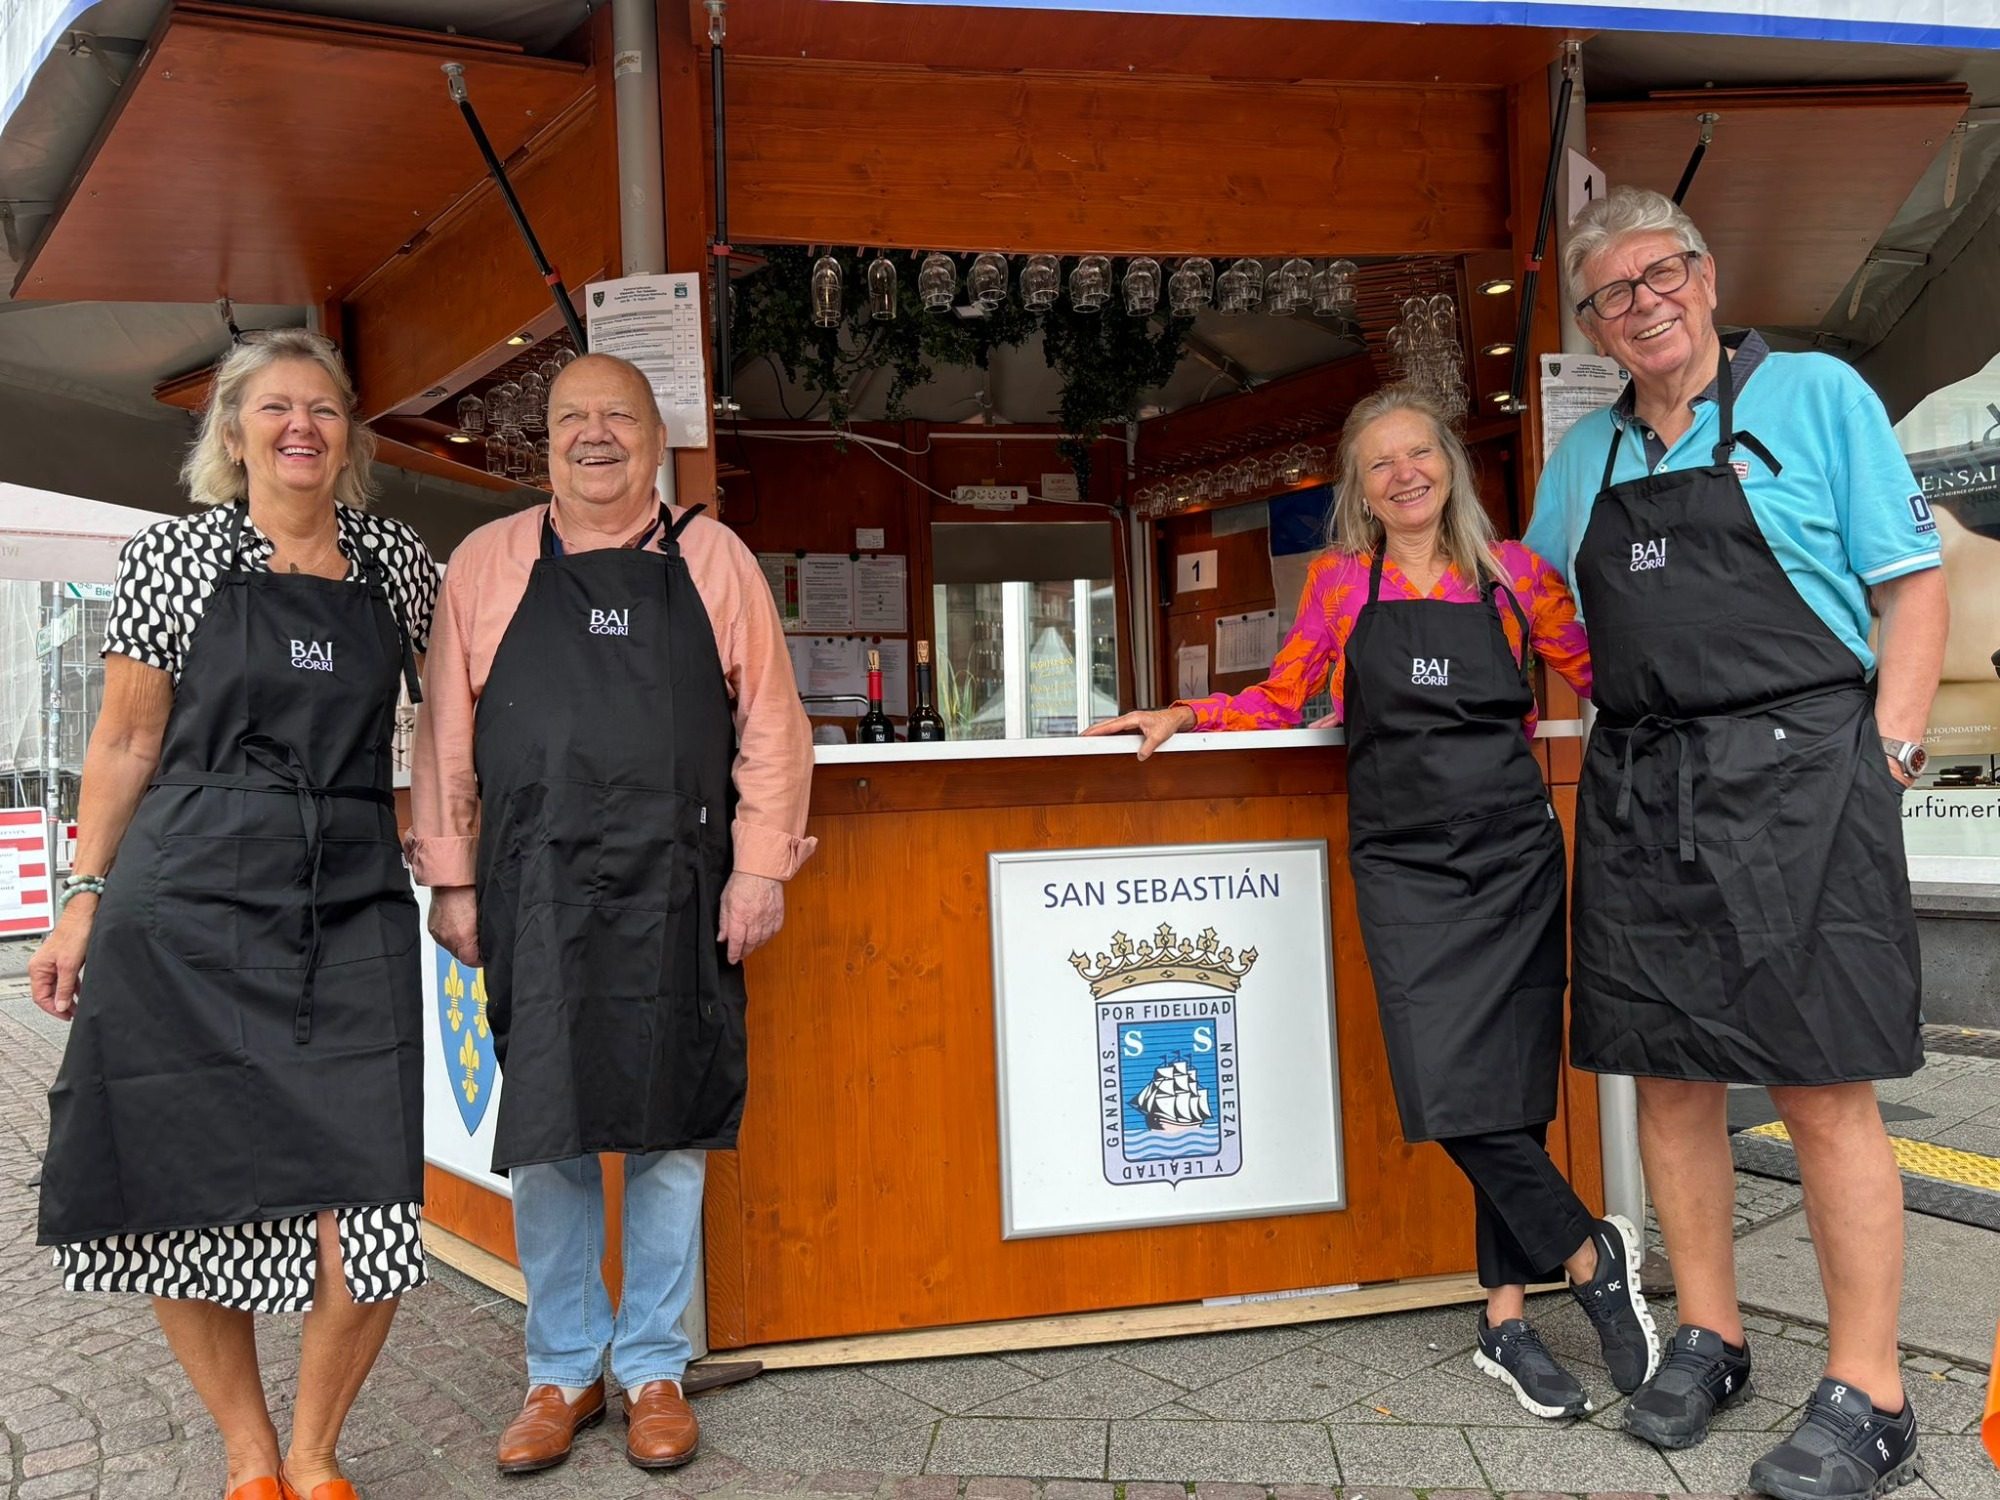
<point>926,724</point>
<point>875,728</point>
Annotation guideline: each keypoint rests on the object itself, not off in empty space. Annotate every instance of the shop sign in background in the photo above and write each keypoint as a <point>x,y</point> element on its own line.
<point>1164,1035</point>
<point>461,1076</point>
<point>1961,495</point>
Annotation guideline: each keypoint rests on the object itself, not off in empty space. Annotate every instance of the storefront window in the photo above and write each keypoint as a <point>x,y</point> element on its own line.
<point>1026,620</point>
<point>1951,821</point>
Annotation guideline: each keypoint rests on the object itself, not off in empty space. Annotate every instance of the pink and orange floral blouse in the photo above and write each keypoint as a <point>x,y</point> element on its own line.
<point>1337,588</point>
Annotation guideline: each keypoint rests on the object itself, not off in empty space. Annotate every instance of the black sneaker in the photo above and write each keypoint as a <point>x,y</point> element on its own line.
<point>1515,1355</point>
<point>1612,1299</point>
<point>1701,1376</point>
<point>1844,1450</point>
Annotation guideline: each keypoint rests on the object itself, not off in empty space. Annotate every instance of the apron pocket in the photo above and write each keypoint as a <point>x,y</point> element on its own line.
<point>367,908</point>
<point>231,903</point>
<point>613,846</point>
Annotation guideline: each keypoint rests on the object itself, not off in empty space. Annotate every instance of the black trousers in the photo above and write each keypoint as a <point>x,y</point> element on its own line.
<point>1529,1219</point>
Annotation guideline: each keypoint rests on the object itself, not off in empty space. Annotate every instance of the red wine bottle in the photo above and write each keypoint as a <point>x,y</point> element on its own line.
<point>926,726</point>
<point>875,728</point>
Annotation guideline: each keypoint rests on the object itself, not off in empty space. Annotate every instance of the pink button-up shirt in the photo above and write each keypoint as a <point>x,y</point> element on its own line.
<point>483,587</point>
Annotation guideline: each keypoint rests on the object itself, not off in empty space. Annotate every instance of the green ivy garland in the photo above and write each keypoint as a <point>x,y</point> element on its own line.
<point>1106,360</point>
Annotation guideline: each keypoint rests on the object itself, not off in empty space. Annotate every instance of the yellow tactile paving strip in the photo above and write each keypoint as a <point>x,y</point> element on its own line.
<point>1940,1163</point>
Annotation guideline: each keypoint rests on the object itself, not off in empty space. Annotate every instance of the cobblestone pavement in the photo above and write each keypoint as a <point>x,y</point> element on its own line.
<point>1386,1408</point>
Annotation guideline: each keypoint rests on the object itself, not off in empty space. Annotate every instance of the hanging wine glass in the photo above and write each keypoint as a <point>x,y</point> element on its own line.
<point>1041,281</point>
<point>1292,287</point>
<point>826,310</point>
<point>534,403</point>
<point>503,405</point>
<point>1232,291</point>
<point>471,414</point>
<point>937,282</point>
<point>1185,296</point>
<point>882,289</point>
<point>987,285</point>
<point>1253,282</point>
<point>1204,268</point>
<point>548,369</point>
<point>518,453</point>
<point>1142,286</point>
<point>496,453</point>
<point>1090,283</point>
<point>538,463</point>
<point>1335,296</point>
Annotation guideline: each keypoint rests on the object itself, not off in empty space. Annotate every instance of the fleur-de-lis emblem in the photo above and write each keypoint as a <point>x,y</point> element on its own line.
<point>454,987</point>
<point>479,1022</point>
<point>468,1059</point>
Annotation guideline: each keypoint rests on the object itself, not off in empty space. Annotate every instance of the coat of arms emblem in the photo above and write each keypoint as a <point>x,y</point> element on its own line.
<point>1168,1065</point>
<point>467,1038</point>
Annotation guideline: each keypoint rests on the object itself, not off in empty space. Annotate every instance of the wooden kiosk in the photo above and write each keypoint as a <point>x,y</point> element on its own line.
<point>866,1198</point>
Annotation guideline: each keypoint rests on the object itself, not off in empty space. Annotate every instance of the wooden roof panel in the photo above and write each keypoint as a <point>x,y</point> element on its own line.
<point>1797,187</point>
<point>274,159</point>
<point>1042,41</point>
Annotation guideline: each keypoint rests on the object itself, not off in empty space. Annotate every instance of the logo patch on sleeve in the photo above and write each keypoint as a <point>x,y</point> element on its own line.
<point>1920,512</point>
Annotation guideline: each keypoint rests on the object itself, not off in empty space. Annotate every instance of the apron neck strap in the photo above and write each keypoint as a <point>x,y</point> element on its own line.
<point>378,583</point>
<point>242,509</point>
<point>1375,573</point>
<point>1495,588</point>
<point>1725,397</point>
<point>671,544</point>
<point>1611,454</point>
<point>552,543</point>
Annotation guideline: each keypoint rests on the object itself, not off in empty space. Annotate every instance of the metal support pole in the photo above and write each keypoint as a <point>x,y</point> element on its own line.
<point>725,375</point>
<point>1572,66</point>
<point>455,80</point>
<point>642,204</point>
<point>1706,120</point>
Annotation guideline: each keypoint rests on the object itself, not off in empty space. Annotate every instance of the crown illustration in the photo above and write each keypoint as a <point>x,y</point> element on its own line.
<point>1188,960</point>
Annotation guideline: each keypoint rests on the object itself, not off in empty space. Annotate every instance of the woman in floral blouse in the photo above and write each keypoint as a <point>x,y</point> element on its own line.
<point>1423,627</point>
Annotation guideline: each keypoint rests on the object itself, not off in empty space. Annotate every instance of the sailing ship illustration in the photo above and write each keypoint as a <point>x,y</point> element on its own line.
<point>1175,1100</point>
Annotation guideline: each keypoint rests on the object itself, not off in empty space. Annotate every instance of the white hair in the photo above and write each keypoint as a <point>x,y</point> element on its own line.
<point>212,477</point>
<point>1624,211</point>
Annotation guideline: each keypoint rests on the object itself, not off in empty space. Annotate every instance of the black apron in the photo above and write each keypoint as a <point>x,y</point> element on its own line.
<point>1742,902</point>
<point>249,1040</point>
<point>604,741</point>
<point>1458,863</point>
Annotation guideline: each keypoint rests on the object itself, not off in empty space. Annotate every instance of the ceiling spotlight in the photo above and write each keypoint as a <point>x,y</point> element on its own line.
<point>521,338</point>
<point>1502,348</point>
<point>1499,286</point>
<point>1501,397</point>
<point>456,437</point>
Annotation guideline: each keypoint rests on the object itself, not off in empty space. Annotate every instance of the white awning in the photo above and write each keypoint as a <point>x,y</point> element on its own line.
<point>63,538</point>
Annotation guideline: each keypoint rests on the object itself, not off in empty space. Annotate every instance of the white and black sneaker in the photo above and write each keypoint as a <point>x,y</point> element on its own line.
<point>1845,1449</point>
<point>1515,1355</point>
<point>1613,1300</point>
<point>1701,1376</point>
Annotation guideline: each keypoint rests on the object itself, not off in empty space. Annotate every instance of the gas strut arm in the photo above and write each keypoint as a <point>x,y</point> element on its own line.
<point>455,80</point>
<point>1531,273</point>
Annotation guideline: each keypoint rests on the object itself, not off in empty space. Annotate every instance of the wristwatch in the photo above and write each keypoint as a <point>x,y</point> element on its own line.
<point>1910,756</point>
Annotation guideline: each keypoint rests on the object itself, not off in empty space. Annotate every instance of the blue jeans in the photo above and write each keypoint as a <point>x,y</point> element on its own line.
<point>559,1231</point>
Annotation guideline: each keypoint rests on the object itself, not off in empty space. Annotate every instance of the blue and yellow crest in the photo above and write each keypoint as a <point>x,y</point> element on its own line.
<point>467,1037</point>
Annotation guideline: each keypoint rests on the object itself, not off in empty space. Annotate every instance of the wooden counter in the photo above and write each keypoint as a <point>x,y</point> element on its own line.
<point>866,1195</point>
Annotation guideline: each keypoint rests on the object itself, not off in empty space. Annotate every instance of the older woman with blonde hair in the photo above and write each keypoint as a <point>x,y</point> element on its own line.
<point>237,1124</point>
<point>1423,627</point>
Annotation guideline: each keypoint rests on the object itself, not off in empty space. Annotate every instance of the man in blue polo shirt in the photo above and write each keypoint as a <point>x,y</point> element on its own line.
<point>1742,912</point>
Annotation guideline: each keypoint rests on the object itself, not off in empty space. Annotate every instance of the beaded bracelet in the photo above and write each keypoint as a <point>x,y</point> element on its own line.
<point>76,885</point>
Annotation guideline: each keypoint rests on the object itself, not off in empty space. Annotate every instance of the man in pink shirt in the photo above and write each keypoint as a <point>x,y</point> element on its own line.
<point>611,777</point>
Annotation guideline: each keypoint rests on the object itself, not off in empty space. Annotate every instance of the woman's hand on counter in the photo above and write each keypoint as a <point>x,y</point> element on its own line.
<point>1325,721</point>
<point>1154,726</point>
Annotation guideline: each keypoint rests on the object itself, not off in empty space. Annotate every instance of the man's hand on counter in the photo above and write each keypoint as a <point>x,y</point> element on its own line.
<point>1154,726</point>
<point>455,922</point>
<point>753,909</point>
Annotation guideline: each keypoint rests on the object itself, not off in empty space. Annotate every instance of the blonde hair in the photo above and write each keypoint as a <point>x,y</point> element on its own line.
<point>212,477</point>
<point>1465,534</point>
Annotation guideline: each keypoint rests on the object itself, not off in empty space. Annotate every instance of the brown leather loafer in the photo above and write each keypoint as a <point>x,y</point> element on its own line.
<point>661,1432</point>
<point>540,1437</point>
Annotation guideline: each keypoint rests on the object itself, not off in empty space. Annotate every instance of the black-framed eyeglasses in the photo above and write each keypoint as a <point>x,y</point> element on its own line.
<point>1614,299</point>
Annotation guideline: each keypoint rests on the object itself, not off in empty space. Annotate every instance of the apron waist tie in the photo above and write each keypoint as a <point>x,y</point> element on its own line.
<point>1684,812</point>
<point>279,759</point>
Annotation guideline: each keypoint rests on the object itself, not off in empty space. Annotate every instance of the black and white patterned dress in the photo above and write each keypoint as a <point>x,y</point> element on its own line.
<point>166,575</point>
